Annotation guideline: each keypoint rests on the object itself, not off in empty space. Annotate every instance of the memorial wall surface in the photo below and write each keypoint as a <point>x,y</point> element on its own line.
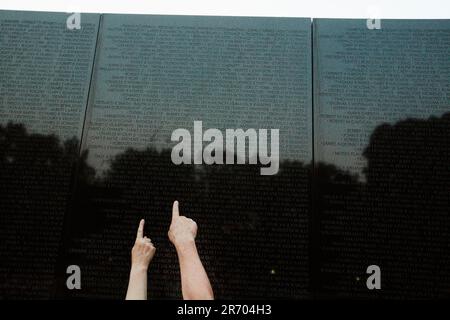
<point>154,74</point>
<point>381,134</point>
<point>44,82</point>
<point>306,151</point>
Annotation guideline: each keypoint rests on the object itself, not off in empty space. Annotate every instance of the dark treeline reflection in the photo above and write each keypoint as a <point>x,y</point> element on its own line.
<point>257,237</point>
<point>253,229</point>
<point>35,178</point>
<point>399,219</point>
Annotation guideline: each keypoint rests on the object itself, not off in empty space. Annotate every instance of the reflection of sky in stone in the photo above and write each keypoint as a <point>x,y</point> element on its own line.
<point>395,74</point>
<point>45,70</point>
<point>155,74</point>
<point>161,73</point>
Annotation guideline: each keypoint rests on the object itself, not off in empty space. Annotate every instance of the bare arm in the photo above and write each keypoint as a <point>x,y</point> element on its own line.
<point>195,284</point>
<point>141,255</point>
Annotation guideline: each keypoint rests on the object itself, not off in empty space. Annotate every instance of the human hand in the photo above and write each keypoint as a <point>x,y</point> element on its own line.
<point>143,250</point>
<point>182,230</point>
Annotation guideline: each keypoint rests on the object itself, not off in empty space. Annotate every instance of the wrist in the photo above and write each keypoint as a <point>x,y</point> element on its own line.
<point>185,246</point>
<point>138,269</point>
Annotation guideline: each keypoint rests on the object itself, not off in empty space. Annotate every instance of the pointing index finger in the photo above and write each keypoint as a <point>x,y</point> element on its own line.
<point>175,211</point>
<point>140,232</point>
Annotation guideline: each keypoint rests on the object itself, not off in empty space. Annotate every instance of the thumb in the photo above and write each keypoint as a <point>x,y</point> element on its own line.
<point>175,211</point>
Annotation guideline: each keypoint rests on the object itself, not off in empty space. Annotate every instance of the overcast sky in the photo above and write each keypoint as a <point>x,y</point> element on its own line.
<point>397,9</point>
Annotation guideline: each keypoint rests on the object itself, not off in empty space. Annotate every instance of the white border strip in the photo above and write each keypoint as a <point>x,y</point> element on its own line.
<point>387,9</point>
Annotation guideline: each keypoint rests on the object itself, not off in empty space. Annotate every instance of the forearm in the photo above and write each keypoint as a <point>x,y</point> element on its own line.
<point>137,286</point>
<point>195,284</point>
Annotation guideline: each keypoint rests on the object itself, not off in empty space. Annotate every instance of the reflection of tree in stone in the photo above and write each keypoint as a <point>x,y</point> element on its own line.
<point>399,219</point>
<point>259,225</point>
<point>408,192</point>
<point>35,175</point>
<point>253,229</point>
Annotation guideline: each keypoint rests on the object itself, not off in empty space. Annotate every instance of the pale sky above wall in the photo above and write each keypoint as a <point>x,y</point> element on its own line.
<point>398,9</point>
